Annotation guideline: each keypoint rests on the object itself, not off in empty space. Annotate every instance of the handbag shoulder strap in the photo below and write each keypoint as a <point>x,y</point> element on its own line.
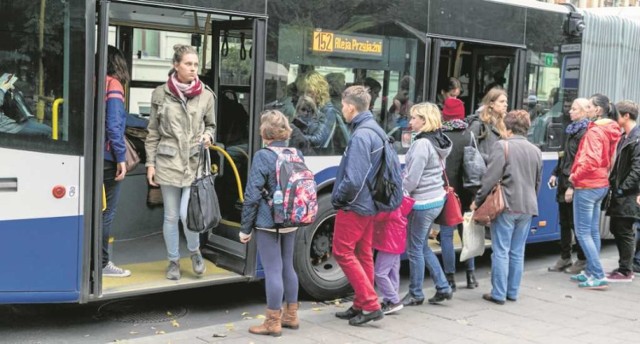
<point>444,171</point>
<point>203,166</point>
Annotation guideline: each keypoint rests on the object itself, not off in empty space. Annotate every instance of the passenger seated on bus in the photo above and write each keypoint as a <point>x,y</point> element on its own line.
<point>317,87</point>
<point>398,116</point>
<point>15,116</point>
<point>310,122</point>
<point>374,88</point>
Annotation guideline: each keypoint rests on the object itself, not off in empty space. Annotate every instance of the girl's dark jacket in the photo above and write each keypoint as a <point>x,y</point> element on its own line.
<point>563,168</point>
<point>624,179</point>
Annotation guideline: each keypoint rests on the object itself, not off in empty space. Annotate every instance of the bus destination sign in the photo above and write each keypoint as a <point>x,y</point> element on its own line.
<point>334,43</point>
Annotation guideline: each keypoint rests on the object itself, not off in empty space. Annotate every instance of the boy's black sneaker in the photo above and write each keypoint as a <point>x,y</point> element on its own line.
<point>364,318</point>
<point>387,307</point>
<point>349,313</point>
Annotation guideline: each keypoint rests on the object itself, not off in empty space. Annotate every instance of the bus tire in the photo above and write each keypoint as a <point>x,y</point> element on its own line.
<point>319,274</point>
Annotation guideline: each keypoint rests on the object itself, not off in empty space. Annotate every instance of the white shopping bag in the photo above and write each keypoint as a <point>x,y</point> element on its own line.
<point>472,238</point>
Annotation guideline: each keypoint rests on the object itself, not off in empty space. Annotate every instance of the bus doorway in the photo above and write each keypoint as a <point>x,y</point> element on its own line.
<point>478,67</point>
<point>231,65</point>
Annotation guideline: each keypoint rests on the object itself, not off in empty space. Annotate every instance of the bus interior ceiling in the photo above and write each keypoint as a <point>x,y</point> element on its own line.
<point>137,239</point>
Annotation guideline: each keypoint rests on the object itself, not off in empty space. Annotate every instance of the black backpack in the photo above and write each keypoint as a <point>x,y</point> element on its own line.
<point>387,189</point>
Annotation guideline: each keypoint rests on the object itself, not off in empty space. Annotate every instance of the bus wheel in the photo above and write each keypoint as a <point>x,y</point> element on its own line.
<point>319,274</point>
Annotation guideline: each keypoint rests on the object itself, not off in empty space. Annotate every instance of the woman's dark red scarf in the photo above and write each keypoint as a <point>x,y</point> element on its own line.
<point>184,91</point>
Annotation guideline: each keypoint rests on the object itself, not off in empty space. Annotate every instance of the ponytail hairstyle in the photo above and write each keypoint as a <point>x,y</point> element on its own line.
<point>117,65</point>
<point>179,50</point>
<point>608,109</point>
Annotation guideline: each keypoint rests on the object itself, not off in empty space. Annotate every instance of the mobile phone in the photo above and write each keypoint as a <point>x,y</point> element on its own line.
<point>5,78</point>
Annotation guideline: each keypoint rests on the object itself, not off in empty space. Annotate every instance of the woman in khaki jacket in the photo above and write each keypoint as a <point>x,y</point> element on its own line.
<point>182,117</point>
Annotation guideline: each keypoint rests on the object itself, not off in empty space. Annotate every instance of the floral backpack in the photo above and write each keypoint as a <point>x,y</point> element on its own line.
<point>294,202</point>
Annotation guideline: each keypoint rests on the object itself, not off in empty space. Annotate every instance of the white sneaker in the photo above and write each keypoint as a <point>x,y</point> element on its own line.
<point>113,271</point>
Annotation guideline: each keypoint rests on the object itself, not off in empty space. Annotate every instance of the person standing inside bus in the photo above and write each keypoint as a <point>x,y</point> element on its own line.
<point>517,165</point>
<point>455,128</point>
<point>182,118</point>
<point>351,196</point>
<point>590,179</point>
<point>625,184</point>
<point>564,195</point>
<point>424,182</point>
<point>488,124</point>
<point>275,246</point>
<point>114,169</point>
<point>317,87</point>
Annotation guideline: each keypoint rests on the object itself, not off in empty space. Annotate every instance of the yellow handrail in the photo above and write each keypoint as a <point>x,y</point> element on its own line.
<point>233,167</point>
<point>54,117</point>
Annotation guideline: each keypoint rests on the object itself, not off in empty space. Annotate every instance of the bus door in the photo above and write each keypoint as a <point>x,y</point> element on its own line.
<point>478,67</point>
<point>43,61</point>
<point>236,75</point>
<point>146,35</point>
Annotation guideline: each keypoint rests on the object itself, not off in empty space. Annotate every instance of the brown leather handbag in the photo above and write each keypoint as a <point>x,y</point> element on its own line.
<point>494,203</point>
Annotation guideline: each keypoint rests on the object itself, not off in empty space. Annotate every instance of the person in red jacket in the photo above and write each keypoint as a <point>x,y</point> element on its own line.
<point>590,179</point>
<point>390,240</point>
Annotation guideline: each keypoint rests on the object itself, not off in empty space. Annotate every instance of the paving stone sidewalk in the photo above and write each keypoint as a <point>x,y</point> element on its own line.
<point>550,309</point>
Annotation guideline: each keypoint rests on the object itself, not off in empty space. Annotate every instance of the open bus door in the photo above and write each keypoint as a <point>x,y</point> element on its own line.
<point>137,232</point>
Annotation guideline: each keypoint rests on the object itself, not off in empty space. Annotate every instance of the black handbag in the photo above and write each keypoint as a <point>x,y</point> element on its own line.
<point>473,166</point>
<point>203,210</point>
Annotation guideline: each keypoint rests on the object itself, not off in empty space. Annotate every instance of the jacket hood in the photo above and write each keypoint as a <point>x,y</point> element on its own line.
<point>609,127</point>
<point>440,142</point>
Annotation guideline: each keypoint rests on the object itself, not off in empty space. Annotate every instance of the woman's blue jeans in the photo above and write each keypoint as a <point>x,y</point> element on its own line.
<point>420,254</point>
<point>586,217</point>
<point>509,234</point>
<point>449,252</point>
<point>176,201</point>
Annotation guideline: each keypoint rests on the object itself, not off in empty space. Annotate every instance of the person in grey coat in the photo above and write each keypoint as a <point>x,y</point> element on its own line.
<point>517,165</point>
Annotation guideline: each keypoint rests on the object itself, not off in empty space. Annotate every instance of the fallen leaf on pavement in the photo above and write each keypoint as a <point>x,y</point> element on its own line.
<point>244,313</point>
<point>175,323</point>
<point>160,332</point>
<point>260,316</point>
<point>316,309</point>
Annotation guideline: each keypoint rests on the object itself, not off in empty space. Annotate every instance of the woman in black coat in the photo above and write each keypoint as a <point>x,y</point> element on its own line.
<point>456,129</point>
<point>564,196</point>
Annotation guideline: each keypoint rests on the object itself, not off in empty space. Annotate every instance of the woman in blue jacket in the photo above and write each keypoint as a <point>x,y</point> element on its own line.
<point>114,151</point>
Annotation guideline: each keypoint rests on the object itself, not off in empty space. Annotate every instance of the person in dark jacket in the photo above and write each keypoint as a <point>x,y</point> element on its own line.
<point>455,129</point>
<point>488,125</point>
<point>351,196</point>
<point>517,165</point>
<point>114,168</point>
<point>275,246</point>
<point>564,196</point>
<point>624,181</point>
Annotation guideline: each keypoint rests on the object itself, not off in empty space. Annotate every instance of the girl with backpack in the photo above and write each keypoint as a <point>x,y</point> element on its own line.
<point>275,246</point>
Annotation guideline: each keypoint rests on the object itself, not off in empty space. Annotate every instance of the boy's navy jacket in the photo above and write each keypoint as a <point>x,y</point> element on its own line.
<point>357,168</point>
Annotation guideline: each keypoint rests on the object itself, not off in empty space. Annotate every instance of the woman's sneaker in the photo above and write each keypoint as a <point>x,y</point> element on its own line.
<point>387,307</point>
<point>197,263</point>
<point>580,278</point>
<point>594,284</point>
<point>111,270</point>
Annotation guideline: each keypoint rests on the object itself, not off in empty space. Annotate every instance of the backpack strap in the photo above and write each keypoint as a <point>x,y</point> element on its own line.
<point>382,157</point>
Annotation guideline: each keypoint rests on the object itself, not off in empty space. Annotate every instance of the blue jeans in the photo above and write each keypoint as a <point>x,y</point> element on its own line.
<point>586,217</point>
<point>508,237</point>
<point>176,201</point>
<point>33,127</point>
<point>449,252</point>
<point>112,191</point>
<point>420,253</point>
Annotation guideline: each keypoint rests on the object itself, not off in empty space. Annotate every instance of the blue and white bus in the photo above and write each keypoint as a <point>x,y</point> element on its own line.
<point>252,53</point>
